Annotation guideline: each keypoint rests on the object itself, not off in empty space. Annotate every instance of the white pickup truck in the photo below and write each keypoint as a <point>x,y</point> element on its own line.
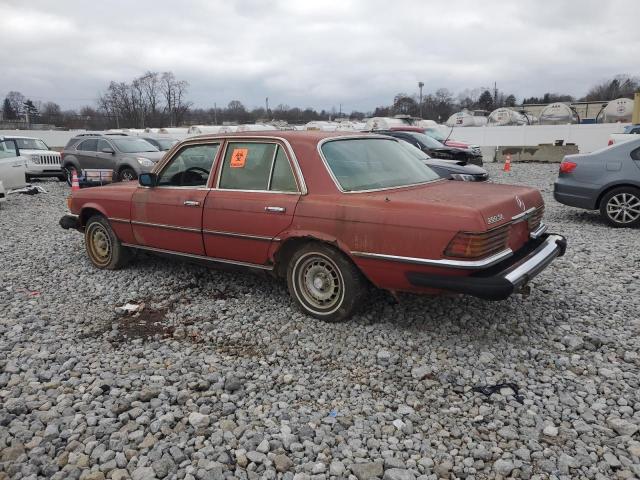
<point>629,133</point>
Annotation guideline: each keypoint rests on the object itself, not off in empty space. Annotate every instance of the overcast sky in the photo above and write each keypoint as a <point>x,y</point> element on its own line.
<point>317,53</point>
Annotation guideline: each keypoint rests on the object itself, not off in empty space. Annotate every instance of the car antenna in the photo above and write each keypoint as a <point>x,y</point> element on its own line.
<point>446,139</point>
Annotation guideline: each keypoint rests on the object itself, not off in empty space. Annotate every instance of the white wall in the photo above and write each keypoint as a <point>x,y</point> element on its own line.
<point>588,137</point>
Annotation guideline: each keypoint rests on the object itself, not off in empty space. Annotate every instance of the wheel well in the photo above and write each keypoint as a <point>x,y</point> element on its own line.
<point>87,213</point>
<point>125,165</point>
<point>612,187</point>
<point>289,247</point>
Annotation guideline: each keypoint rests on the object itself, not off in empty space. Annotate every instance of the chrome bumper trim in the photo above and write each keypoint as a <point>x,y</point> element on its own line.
<point>198,257</point>
<point>531,266</point>
<point>463,264</point>
<point>538,232</point>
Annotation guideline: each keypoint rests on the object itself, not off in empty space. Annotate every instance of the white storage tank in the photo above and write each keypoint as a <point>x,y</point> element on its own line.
<point>557,114</point>
<point>384,123</point>
<point>619,110</point>
<point>466,119</point>
<point>505,116</point>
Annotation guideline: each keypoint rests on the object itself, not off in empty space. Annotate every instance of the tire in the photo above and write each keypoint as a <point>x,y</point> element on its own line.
<point>27,178</point>
<point>127,174</point>
<point>103,247</point>
<point>324,283</point>
<point>62,178</point>
<point>621,207</point>
<point>68,173</point>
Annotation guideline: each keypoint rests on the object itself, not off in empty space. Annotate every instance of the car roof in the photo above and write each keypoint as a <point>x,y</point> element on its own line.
<point>289,135</point>
<point>10,137</point>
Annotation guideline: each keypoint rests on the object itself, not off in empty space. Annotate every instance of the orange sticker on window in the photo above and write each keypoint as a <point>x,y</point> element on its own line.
<point>239,157</point>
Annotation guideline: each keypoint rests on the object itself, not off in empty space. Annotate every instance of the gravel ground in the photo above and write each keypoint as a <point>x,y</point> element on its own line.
<point>220,377</point>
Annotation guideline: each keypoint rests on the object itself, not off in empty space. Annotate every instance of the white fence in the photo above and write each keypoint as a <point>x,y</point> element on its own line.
<point>588,137</point>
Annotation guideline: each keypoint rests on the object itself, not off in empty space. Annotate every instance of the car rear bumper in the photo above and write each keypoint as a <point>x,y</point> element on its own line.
<point>575,195</point>
<point>70,222</point>
<point>503,279</point>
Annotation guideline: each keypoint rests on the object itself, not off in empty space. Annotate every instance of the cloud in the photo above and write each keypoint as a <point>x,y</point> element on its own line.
<point>357,53</point>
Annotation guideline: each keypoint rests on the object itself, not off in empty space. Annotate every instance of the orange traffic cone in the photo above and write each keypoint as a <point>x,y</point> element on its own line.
<point>75,185</point>
<point>507,163</point>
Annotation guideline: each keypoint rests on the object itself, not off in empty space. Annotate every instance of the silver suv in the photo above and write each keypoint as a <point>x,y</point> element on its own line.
<point>127,156</point>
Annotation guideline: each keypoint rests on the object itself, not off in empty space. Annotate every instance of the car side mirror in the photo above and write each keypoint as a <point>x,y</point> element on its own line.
<point>108,150</point>
<point>148,179</point>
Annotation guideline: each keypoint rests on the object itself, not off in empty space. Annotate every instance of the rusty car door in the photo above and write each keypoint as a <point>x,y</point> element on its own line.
<point>253,201</point>
<point>168,216</point>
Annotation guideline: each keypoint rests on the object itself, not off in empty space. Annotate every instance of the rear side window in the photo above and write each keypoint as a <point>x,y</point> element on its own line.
<point>257,166</point>
<point>90,145</point>
<point>635,154</point>
<point>102,144</point>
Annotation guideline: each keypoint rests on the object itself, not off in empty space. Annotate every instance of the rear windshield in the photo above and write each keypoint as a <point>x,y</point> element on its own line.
<point>133,145</point>
<point>374,163</point>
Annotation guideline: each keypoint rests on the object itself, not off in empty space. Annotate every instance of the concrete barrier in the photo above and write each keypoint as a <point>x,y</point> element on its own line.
<point>539,153</point>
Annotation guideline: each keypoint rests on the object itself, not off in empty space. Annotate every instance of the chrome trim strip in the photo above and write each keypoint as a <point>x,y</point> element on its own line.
<point>549,250</point>
<point>463,264</point>
<point>199,257</point>
<point>351,137</point>
<point>168,227</point>
<point>120,220</point>
<point>538,232</point>
<point>523,214</point>
<point>240,235</point>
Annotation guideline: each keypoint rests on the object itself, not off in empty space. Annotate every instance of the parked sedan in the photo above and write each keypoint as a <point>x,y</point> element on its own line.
<point>450,169</point>
<point>607,180</point>
<point>435,149</point>
<point>330,212</point>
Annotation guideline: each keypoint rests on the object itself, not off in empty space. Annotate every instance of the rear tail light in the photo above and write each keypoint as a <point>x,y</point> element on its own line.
<point>610,143</point>
<point>478,245</point>
<point>567,167</point>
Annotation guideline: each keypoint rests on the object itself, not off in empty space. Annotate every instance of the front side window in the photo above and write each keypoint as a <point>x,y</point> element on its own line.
<point>134,145</point>
<point>374,163</point>
<point>430,142</point>
<point>90,145</point>
<point>102,144</point>
<point>190,167</point>
<point>257,166</point>
<point>8,149</point>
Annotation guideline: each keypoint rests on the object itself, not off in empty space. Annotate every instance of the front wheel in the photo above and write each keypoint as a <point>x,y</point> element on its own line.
<point>128,174</point>
<point>103,247</point>
<point>324,283</point>
<point>621,207</point>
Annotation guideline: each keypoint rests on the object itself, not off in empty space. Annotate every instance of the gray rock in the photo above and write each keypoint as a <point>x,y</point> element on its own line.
<point>282,463</point>
<point>503,467</point>
<point>198,420</point>
<point>365,471</point>
<point>621,426</point>
<point>398,474</point>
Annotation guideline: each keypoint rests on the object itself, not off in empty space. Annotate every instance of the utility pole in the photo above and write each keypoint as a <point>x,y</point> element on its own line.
<point>266,101</point>
<point>420,85</point>
<point>495,95</point>
<point>215,113</point>
<point>340,114</point>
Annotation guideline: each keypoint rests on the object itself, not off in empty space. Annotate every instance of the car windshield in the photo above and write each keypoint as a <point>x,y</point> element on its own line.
<point>31,144</point>
<point>435,134</point>
<point>415,151</point>
<point>374,163</point>
<point>426,140</point>
<point>165,144</point>
<point>133,145</point>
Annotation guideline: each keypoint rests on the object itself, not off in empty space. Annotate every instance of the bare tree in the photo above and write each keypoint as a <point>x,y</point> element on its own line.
<point>174,92</point>
<point>16,100</point>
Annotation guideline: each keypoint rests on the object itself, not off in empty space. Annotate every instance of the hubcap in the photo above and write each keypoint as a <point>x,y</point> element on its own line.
<point>128,175</point>
<point>99,244</point>
<point>319,282</point>
<point>624,208</point>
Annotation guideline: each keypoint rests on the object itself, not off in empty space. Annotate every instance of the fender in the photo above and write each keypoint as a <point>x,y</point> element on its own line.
<point>92,206</point>
<point>615,184</point>
<point>307,234</point>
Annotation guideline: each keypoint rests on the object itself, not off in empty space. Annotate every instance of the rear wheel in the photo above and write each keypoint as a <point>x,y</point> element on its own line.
<point>127,174</point>
<point>324,283</point>
<point>621,207</point>
<point>103,247</point>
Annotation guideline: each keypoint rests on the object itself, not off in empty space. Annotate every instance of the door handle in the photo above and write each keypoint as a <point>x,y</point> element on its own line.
<point>191,203</point>
<point>275,209</point>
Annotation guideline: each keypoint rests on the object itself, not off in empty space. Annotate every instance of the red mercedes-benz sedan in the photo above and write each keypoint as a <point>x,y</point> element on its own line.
<point>333,213</point>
